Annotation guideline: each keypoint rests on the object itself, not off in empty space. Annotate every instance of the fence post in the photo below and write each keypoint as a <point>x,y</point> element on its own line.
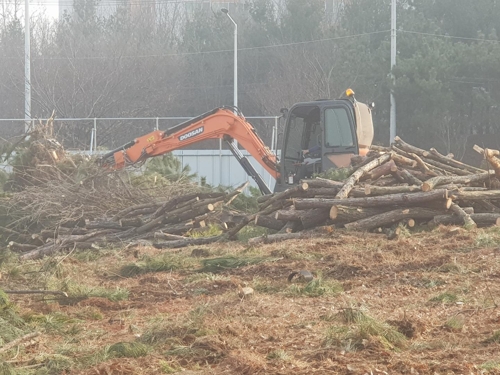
<point>95,134</point>
<point>276,121</point>
<point>156,126</point>
<point>91,148</point>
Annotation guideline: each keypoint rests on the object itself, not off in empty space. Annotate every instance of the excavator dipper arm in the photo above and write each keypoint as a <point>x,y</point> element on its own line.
<point>220,123</point>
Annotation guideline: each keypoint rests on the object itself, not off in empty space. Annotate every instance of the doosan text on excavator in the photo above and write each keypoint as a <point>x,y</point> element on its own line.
<point>318,136</point>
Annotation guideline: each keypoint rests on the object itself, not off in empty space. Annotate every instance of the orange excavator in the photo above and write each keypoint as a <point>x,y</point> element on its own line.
<point>318,135</point>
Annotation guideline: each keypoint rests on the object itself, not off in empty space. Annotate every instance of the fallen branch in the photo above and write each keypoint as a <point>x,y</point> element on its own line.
<point>18,341</point>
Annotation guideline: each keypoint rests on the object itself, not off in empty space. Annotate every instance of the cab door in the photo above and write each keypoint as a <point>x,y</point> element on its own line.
<point>339,135</point>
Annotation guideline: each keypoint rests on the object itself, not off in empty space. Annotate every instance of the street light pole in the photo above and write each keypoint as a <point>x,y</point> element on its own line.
<point>235,86</point>
<point>235,93</point>
<point>393,64</point>
<point>27,67</point>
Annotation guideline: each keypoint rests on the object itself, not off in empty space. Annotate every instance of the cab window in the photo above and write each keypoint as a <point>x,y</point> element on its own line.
<point>338,131</point>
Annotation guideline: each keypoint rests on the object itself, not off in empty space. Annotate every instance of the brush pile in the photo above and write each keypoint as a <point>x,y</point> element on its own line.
<point>390,186</point>
<point>61,201</point>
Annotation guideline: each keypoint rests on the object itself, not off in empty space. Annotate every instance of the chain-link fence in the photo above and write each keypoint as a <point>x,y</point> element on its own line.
<point>92,134</point>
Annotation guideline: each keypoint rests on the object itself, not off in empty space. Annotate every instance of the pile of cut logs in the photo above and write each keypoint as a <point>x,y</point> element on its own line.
<point>390,186</point>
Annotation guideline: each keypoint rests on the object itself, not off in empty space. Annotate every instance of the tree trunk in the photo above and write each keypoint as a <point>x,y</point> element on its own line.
<point>385,169</point>
<point>385,190</point>
<point>453,163</point>
<point>20,247</point>
<point>442,180</point>
<point>468,222</point>
<point>403,161</point>
<point>476,195</point>
<point>409,148</point>
<point>380,201</point>
<point>354,178</point>
<point>187,242</point>
<point>290,227</point>
<point>323,183</point>
<point>285,194</point>
<point>347,214</point>
<point>268,222</point>
<point>481,219</point>
<point>273,238</point>
<point>409,177</point>
<point>392,217</point>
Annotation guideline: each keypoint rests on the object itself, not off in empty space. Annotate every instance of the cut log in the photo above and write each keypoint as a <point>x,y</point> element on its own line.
<point>81,246</point>
<point>279,237</point>
<point>385,169</point>
<point>264,198</point>
<point>314,218</point>
<point>103,225</point>
<point>472,196</point>
<point>127,210</point>
<point>134,222</point>
<point>409,178</point>
<point>268,222</point>
<point>323,183</point>
<point>385,190</point>
<point>10,233</point>
<point>487,206</point>
<point>481,219</point>
<point>198,209</point>
<point>410,223</point>
<point>363,160</point>
<point>403,161</point>
<point>151,225</point>
<point>20,247</point>
<point>424,168</point>
<point>380,201</point>
<point>18,341</point>
<point>177,229</point>
<point>354,178</point>
<point>290,227</point>
<point>491,156</point>
<point>187,242</point>
<point>288,215</point>
<point>139,212</point>
<point>393,232</point>
<point>409,148</point>
<point>231,233</point>
<point>308,218</point>
<point>303,186</point>
<point>348,214</point>
<point>276,206</point>
<point>468,222</point>
<point>326,192</point>
<point>447,168</point>
<point>441,180</point>
<point>167,236</point>
<point>391,217</point>
<point>452,162</point>
<point>379,148</point>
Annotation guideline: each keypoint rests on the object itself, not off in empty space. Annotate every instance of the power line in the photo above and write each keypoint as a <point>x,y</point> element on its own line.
<point>209,52</point>
<point>449,36</point>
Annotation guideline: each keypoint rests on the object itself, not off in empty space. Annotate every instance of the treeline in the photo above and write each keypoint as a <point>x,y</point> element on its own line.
<point>179,62</point>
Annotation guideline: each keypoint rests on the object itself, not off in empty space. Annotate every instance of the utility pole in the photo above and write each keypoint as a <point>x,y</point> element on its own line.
<point>393,79</point>
<point>27,67</point>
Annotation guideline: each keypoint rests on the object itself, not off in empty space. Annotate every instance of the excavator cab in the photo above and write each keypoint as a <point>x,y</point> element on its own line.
<point>322,135</point>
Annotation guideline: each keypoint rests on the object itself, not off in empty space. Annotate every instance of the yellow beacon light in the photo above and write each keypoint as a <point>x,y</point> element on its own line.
<point>349,93</point>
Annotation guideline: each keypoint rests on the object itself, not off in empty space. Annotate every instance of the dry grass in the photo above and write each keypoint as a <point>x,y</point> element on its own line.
<point>427,302</point>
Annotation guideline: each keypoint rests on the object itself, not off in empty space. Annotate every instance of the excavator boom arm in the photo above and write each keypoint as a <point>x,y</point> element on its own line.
<point>220,123</point>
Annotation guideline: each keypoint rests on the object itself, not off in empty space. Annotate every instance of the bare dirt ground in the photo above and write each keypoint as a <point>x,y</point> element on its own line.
<point>426,303</point>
